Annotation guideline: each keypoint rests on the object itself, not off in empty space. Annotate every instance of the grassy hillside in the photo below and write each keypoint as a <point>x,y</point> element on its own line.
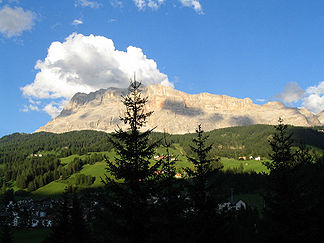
<point>77,152</point>
<point>247,165</point>
<point>227,142</point>
<point>98,170</point>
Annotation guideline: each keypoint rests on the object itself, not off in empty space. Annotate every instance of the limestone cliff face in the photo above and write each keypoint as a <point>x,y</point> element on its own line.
<point>174,112</point>
<point>320,117</point>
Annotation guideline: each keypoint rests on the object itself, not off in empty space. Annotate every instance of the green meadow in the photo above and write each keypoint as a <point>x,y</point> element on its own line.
<point>53,189</point>
<point>98,169</point>
<point>248,165</point>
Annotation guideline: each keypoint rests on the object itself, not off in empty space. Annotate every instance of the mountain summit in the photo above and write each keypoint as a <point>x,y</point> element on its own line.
<point>175,112</point>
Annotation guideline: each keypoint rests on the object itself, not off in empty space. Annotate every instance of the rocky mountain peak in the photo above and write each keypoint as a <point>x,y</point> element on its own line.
<point>174,111</point>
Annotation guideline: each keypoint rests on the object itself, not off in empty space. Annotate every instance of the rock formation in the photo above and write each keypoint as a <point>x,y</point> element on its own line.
<point>174,112</point>
<point>320,117</point>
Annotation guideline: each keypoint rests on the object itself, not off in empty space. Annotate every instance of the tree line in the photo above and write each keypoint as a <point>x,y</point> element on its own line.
<point>229,142</point>
<point>35,172</point>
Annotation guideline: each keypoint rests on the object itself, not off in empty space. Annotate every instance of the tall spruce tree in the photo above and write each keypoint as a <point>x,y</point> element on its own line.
<point>284,211</point>
<point>131,170</point>
<point>134,151</point>
<point>203,168</point>
<point>281,143</point>
<point>171,194</point>
<point>205,223</point>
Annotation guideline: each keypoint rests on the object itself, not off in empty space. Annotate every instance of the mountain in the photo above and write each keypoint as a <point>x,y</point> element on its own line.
<point>320,117</point>
<point>175,112</point>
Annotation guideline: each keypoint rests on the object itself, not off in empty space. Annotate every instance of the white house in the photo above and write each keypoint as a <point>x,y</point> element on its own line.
<point>227,206</point>
<point>240,205</point>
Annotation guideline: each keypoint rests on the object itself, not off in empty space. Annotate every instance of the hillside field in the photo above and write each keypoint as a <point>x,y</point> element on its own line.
<point>98,170</point>
<point>21,152</point>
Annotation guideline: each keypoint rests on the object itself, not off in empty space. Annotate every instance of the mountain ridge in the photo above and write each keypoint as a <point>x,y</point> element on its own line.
<point>175,112</point>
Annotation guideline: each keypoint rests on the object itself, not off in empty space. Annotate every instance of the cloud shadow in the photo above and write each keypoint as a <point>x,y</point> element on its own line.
<point>216,117</point>
<point>180,108</point>
<point>65,112</point>
<point>85,115</point>
<point>241,121</point>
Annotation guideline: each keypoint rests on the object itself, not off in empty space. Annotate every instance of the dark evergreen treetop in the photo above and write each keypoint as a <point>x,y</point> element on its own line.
<point>291,195</point>
<point>133,148</point>
<point>205,224</point>
<point>202,170</point>
<point>281,144</point>
<point>202,161</point>
<point>168,164</point>
<point>135,114</point>
<point>128,212</point>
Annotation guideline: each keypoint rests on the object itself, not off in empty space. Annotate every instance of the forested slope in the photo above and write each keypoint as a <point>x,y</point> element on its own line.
<point>227,142</point>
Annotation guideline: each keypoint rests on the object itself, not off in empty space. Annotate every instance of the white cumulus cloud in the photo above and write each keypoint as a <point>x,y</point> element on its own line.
<point>77,22</point>
<point>112,20</point>
<point>13,21</point>
<point>86,64</point>
<point>30,107</point>
<point>292,93</point>
<point>195,4</point>
<point>153,4</point>
<point>314,99</point>
<point>35,102</point>
<point>54,108</point>
<point>87,3</point>
<point>261,100</point>
<point>116,3</point>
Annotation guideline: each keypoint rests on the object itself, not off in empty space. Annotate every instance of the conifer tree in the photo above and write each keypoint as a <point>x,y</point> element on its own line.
<point>283,199</point>
<point>171,198</point>
<point>205,224</point>
<point>134,151</point>
<point>281,143</point>
<point>132,167</point>
<point>203,167</point>
<point>168,163</point>
<point>8,196</point>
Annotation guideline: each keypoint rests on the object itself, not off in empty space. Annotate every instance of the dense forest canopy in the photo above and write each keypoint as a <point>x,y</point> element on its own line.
<point>18,146</point>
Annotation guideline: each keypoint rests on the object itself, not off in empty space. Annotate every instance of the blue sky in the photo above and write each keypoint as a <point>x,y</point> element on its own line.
<point>264,50</point>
